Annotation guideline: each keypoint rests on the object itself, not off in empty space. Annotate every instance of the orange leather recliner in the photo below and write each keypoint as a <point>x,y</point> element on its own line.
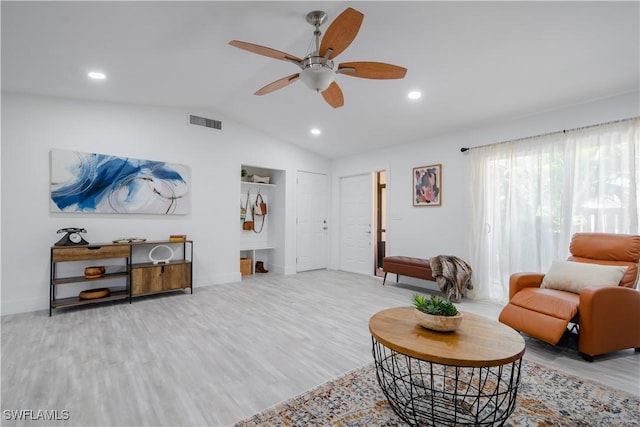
<point>608,318</point>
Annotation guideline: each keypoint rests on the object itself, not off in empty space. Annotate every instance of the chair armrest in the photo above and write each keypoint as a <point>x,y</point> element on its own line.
<point>519,281</point>
<point>609,318</point>
<point>608,301</point>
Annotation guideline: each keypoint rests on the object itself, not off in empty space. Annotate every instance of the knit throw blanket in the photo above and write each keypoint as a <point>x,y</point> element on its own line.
<point>452,274</point>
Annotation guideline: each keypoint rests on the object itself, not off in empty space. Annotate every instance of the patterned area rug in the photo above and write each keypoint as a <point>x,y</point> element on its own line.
<point>546,397</point>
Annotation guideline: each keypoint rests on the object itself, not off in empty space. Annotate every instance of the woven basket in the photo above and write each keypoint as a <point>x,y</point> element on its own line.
<point>245,266</point>
<point>95,293</point>
<point>94,272</point>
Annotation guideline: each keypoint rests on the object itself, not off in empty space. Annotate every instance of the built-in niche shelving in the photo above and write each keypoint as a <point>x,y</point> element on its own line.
<point>266,245</point>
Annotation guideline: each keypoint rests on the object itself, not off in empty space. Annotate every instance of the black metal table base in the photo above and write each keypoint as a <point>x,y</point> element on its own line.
<point>430,394</point>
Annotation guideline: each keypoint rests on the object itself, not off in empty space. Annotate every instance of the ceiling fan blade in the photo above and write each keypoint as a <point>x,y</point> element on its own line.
<point>278,84</point>
<point>341,32</point>
<point>372,70</point>
<point>333,95</point>
<point>266,51</point>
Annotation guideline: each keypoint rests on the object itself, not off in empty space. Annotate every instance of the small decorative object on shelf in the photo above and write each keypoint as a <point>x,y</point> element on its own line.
<point>72,238</point>
<point>94,293</point>
<point>177,237</point>
<point>436,314</point>
<point>260,179</point>
<point>130,240</point>
<point>165,254</point>
<point>93,272</point>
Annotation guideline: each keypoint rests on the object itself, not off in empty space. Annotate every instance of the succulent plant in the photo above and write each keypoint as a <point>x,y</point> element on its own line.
<point>434,305</point>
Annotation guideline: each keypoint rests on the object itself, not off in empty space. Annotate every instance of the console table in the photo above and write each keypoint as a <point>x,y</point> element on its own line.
<point>466,377</point>
<point>123,277</point>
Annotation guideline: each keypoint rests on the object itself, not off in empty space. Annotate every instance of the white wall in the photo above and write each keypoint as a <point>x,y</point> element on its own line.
<point>33,125</point>
<point>427,231</point>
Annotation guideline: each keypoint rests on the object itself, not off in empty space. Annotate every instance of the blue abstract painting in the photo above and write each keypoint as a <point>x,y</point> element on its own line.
<point>100,183</point>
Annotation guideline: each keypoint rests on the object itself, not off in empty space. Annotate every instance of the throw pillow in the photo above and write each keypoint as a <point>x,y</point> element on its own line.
<point>575,276</point>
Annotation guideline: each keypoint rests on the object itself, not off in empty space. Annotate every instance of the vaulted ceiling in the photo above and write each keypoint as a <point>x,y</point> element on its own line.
<point>476,63</point>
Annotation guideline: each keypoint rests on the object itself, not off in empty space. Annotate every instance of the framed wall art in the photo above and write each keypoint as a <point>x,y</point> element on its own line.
<point>427,185</point>
<point>101,183</point>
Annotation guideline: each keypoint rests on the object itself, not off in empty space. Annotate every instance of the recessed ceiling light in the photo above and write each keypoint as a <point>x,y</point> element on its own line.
<point>316,131</point>
<point>97,75</point>
<point>414,94</point>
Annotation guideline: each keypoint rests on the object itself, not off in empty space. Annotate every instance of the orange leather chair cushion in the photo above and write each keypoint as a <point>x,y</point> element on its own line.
<point>560,304</point>
<point>543,313</point>
<point>608,249</point>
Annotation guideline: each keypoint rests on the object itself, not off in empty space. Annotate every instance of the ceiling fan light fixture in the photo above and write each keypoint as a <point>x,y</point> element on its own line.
<point>317,78</point>
<point>317,73</point>
<point>317,67</point>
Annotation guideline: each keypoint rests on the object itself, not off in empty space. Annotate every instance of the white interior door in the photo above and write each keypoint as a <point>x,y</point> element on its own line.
<point>356,252</point>
<point>312,228</point>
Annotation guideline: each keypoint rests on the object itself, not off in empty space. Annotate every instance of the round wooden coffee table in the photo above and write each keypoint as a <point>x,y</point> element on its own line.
<point>466,377</point>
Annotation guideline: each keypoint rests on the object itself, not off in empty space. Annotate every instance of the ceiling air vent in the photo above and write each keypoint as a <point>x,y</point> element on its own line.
<point>203,121</point>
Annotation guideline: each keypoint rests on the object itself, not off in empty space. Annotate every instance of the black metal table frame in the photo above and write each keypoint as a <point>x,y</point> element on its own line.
<point>428,393</point>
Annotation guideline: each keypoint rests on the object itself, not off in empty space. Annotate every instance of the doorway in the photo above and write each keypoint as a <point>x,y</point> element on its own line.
<point>311,221</point>
<point>380,202</point>
<point>356,198</point>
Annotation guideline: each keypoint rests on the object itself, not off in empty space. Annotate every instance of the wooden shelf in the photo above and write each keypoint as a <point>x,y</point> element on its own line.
<point>157,292</point>
<point>68,302</point>
<point>89,252</point>
<point>78,279</point>
<point>159,242</point>
<point>150,264</point>
<point>109,246</point>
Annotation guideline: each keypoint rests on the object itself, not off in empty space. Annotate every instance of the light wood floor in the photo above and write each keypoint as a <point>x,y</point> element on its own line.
<point>221,354</point>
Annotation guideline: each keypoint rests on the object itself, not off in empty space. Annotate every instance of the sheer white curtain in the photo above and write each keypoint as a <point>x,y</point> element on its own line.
<point>530,196</point>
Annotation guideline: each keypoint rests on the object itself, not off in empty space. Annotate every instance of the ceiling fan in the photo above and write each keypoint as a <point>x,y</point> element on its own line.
<point>318,71</point>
